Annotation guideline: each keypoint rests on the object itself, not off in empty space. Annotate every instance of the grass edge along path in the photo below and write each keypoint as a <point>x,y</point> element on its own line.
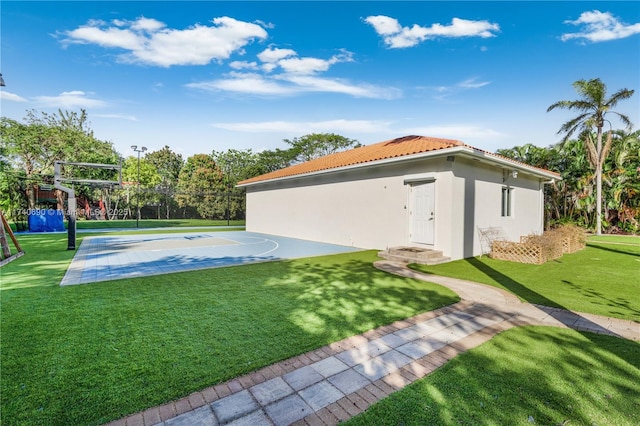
<point>601,279</point>
<point>522,376</point>
<point>94,353</point>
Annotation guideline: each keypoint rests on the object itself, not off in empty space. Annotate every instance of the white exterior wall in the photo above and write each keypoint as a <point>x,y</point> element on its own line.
<point>369,207</point>
<point>367,211</point>
<point>477,203</point>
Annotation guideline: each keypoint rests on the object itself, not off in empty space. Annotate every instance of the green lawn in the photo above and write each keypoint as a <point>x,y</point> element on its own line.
<point>524,376</point>
<point>149,223</point>
<point>153,223</point>
<point>622,239</point>
<point>92,353</point>
<point>602,279</point>
<point>178,230</point>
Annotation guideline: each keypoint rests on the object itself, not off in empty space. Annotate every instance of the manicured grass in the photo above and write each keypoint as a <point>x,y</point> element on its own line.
<point>148,223</point>
<point>602,279</point>
<point>89,354</point>
<point>153,223</point>
<point>622,239</point>
<point>148,231</point>
<point>524,376</point>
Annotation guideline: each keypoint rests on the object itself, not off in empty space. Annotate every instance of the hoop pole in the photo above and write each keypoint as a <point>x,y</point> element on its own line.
<point>71,206</point>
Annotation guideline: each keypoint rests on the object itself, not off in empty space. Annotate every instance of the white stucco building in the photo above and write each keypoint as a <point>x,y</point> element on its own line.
<point>410,191</point>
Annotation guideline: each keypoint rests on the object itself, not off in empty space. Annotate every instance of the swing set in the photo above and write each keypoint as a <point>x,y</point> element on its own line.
<point>6,255</point>
<point>5,229</point>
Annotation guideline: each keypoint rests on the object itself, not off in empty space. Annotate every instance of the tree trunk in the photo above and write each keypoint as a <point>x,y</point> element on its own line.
<point>31,196</point>
<point>599,183</point>
<point>59,200</point>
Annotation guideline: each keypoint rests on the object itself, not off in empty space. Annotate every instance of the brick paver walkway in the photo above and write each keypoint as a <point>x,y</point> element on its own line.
<point>336,382</point>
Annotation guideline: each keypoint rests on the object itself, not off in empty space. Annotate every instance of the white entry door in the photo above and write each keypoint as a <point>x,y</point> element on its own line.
<point>423,213</point>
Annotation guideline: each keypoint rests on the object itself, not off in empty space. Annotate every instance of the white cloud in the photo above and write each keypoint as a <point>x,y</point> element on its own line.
<point>396,36</point>
<point>333,126</point>
<point>444,92</point>
<point>384,25</point>
<point>70,100</point>
<point>117,116</point>
<point>289,62</point>
<point>317,84</point>
<point>293,84</point>
<point>150,42</point>
<point>8,96</point>
<point>144,24</point>
<point>297,76</point>
<point>304,65</point>
<point>272,55</point>
<point>263,24</point>
<point>455,131</point>
<point>313,65</point>
<point>600,26</point>
<point>239,65</point>
<point>253,84</point>
<point>472,84</point>
<point>108,37</point>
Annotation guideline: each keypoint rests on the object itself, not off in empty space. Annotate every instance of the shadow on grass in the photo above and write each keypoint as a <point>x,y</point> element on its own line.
<point>562,314</point>
<point>523,376</point>
<point>620,250</point>
<point>512,285</point>
<point>618,302</point>
<point>93,353</point>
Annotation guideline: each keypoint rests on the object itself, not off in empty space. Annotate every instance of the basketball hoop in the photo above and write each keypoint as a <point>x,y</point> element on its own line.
<point>71,195</point>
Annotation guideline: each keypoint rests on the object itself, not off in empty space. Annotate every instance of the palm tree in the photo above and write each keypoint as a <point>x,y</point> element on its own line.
<point>593,107</point>
<point>620,180</point>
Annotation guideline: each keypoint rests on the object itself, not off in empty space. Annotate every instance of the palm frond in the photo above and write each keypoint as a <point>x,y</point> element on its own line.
<point>592,153</point>
<point>606,147</point>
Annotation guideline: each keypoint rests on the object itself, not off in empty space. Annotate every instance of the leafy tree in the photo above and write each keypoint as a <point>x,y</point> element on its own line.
<point>621,182</point>
<point>201,186</point>
<point>532,155</point>
<point>302,149</point>
<point>140,196</point>
<point>572,198</point>
<point>576,186</point>
<point>236,165</point>
<point>270,161</point>
<point>34,147</point>
<point>593,107</point>
<point>168,165</point>
<point>317,145</point>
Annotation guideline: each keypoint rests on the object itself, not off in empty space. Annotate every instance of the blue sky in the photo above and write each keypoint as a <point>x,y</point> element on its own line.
<point>202,76</point>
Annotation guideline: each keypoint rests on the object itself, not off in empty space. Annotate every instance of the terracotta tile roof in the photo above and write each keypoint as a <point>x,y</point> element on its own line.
<point>393,148</point>
<point>398,147</point>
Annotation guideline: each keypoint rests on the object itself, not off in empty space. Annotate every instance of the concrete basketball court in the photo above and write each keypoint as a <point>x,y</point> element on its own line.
<point>104,258</point>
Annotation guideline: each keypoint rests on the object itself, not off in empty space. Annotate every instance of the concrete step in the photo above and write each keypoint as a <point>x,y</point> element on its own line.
<point>414,255</point>
<point>414,252</point>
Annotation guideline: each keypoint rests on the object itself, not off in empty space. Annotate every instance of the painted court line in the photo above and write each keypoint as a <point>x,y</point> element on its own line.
<point>104,257</point>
